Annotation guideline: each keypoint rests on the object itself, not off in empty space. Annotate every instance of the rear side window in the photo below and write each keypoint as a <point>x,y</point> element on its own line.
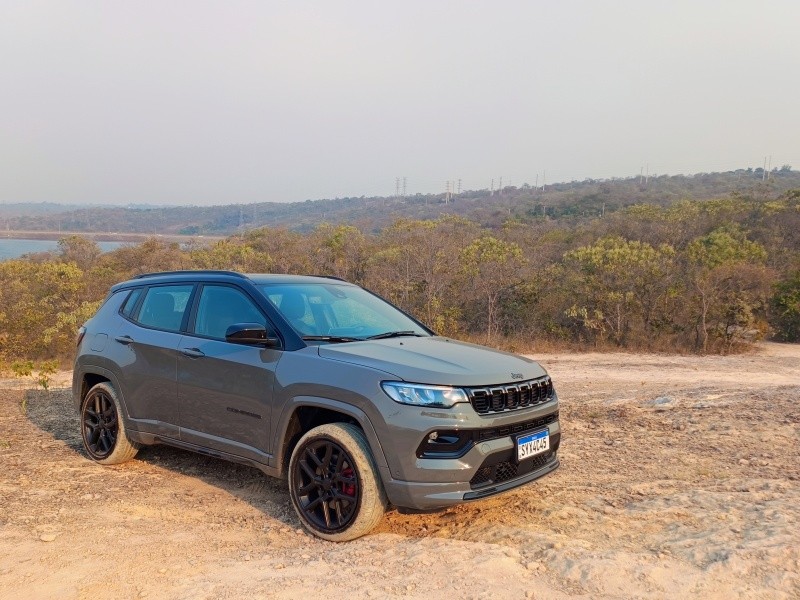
<point>130,303</point>
<point>163,306</point>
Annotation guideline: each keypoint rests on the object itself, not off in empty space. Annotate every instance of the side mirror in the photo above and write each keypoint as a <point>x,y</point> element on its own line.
<point>252,334</point>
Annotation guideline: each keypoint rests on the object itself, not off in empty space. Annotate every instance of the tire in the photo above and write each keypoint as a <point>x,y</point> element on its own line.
<point>334,483</point>
<point>103,429</point>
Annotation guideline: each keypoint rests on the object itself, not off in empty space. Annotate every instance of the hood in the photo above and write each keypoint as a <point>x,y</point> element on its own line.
<point>435,360</point>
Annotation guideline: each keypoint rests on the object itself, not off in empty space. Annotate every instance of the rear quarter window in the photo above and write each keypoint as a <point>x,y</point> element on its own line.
<point>130,302</point>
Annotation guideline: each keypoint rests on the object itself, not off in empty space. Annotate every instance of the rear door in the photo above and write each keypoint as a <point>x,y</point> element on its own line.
<point>224,389</point>
<point>147,343</point>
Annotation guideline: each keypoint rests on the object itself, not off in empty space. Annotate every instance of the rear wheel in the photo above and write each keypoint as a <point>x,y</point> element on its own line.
<point>334,483</point>
<point>102,427</point>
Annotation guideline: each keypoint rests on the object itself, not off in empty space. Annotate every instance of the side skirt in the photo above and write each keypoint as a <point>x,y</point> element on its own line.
<point>150,439</point>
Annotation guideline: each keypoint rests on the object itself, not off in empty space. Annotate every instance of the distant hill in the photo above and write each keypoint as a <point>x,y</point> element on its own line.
<point>20,209</point>
<point>573,200</point>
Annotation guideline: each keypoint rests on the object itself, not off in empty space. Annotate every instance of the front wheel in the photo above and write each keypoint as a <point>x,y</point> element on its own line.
<point>102,428</point>
<point>334,483</point>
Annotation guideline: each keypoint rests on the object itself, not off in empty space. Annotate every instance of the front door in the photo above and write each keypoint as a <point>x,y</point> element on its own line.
<point>224,389</point>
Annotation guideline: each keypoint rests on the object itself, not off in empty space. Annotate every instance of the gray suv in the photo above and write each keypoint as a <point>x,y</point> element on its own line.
<point>317,380</point>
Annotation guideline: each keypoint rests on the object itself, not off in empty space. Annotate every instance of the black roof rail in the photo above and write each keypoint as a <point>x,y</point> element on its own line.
<point>333,277</point>
<point>190,272</point>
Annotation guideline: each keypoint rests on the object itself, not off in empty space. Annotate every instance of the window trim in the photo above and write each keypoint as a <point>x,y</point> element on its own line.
<point>189,329</point>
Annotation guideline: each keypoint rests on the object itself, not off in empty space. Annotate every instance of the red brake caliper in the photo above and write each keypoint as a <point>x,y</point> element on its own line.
<point>348,489</point>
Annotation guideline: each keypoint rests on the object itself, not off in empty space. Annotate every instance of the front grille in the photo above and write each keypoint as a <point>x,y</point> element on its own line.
<point>507,470</point>
<point>498,432</point>
<point>501,398</point>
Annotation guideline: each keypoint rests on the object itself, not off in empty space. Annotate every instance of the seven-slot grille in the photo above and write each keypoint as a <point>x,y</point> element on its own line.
<point>499,398</point>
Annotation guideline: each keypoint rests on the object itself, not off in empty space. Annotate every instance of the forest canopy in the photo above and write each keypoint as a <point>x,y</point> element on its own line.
<point>691,276</point>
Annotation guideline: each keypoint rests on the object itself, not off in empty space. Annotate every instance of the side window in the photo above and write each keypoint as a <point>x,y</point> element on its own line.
<point>163,306</point>
<point>222,306</point>
<point>130,303</point>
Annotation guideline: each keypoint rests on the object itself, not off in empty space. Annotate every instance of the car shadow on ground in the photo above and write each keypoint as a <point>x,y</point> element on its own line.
<point>54,414</point>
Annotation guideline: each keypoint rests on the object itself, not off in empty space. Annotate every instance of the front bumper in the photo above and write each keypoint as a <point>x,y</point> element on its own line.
<point>431,496</point>
<point>486,466</point>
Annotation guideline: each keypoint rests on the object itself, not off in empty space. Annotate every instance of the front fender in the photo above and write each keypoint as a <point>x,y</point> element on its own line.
<point>355,413</point>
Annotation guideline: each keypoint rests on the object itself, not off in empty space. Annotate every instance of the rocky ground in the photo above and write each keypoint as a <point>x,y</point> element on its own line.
<point>680,478</point>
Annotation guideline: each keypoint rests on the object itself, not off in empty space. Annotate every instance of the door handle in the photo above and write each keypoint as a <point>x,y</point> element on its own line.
<point>124,339</point>
<point>192,352</point>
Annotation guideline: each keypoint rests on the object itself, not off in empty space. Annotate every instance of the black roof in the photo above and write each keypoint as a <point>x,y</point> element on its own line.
<point>219,275</point>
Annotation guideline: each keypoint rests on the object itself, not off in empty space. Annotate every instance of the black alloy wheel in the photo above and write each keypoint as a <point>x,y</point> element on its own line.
<point>326,485</point>
<point>100,424</point>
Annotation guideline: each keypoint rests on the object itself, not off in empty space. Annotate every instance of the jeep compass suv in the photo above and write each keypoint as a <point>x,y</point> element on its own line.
<point>317,380</point>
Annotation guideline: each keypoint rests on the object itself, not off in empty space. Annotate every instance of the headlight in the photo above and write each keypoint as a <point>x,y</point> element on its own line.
<point>424,395</point>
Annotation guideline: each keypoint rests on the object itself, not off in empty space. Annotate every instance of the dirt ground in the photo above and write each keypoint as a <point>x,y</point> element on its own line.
<point>680,478</point>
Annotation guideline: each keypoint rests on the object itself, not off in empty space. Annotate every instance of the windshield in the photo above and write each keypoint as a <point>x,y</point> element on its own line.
<point>335,312</point>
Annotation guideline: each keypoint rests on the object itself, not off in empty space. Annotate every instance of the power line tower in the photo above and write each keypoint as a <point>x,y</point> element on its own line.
<point>397,187</point>
<point>459,187</point>
<point>404,186</point>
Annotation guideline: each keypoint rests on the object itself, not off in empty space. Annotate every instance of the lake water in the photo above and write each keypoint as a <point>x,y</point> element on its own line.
<point>11,248</point>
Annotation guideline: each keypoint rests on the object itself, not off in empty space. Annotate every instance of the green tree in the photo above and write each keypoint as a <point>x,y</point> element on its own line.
<point>150,256</point>
<point>619,287</point>
<point>40,306</point>
<point>785,304</point>
<point>79,250</point>
<point>231,254</point>
<point>491,268</point>
<point>730,284</point>
<point>289,251</point>
<point>415,264</point>
<point>340,250</point>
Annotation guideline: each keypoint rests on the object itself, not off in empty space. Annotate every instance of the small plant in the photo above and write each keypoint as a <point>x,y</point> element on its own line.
<point>22,368</point>
<point>46,369</point>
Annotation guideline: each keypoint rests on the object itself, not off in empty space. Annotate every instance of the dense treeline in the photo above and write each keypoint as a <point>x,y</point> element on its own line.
<point>694,276</point>
<point>575,200</point>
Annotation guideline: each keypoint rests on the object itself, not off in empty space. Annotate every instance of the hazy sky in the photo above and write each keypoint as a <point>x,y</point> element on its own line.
<point>226,102</point>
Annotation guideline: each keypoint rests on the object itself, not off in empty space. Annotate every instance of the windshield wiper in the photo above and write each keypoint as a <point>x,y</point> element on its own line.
<point>391,334</point>
<point>330,338</point>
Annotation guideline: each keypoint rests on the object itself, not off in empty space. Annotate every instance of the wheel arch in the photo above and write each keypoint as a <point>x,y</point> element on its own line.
<point>90,376</point>
<point>307,412</point>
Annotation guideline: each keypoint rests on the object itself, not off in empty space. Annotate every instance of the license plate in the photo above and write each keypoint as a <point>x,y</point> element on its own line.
<point>533,444</point>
